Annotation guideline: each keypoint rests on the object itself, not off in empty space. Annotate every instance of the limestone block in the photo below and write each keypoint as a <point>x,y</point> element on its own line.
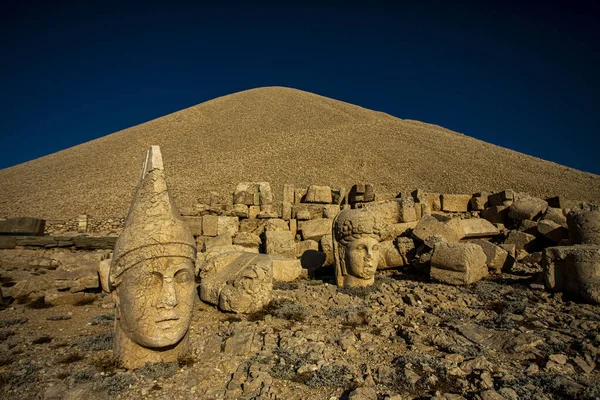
<point>552,231</point>
<point>103,273</point>
<point>82,223</point>
<point>556,202</point>
<point>237,282</point>
<point>288,193</point>
<point>195,225</point>
<point>390,256</point>
<point>267,211</point>
<point>458,263</point>
<point>76,279</point>
<point>306,245</point>
<point>330,211</point>
<point>573,269</point>
<point>287,269</point>
<point>315,229</point>
<point>338,195</point>
<point>530,208</point>
<point>223,239</point>
<point>455,202</point>
<point>286,211</point>
<point>431,225</point>
<point>66,298</point>
<point>276,224</point>
<point>361,193</point>
<point>22,226</point>
<point>503,198</point>
<point>8,242</point>
<point>305,211</point>
<point>556,215</point>
<point>229,225</point>
<point>210,225</point>
<point>240,210</point>
<point>496,214</point>
<point>479,201</point>
<point>266,194</point>
<point>521,240</point>
<point>280,243</point>
<point>496,256</point>
<point>529,226</point>
<point>253,211</point>
<point>477,227</point>
<point>254,226</point>
<point>327,248</point>
<point>299,195</point>
<point>246,193</point>
<point>248,240</point>
<point>584,225</point>
<point>318,194</point>
<point>293,227</point>
<point>402,228</point>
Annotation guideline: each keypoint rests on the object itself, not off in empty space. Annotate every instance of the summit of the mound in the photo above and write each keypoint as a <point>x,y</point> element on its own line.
<point>279,135</point>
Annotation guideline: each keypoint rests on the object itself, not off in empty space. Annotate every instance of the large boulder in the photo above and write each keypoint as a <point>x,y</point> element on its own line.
<point>527,208</point>
<point>584,225</point>
<point>239,282</point>
<point>495,256</point>
<point>22,226</point>
<point>574,270</point>
<point>430,225</point>
<point>458,263</point>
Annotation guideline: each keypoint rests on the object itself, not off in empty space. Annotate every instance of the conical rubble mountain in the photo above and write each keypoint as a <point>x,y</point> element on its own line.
<point>278,135</point>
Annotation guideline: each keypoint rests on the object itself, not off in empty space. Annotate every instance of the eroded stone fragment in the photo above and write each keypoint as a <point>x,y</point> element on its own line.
<point>152,274</point>
<point>287,269</point>
<point>315,229</point>
<point>239,282</point>
<point>318,194</point>
<point>530,208</point>
<point>584,225</point>
<point>280,243</point>
<point>552,231</point>
<point>455,202</point>
<point>573,269</point>
<point>458,263</point>
<point>23,226</point>
<point>477,228</point>
<point>431,225</point>
<point>496,256</point>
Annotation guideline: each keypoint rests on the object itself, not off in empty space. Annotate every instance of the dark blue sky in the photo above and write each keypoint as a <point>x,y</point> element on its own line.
<point>523,76</point>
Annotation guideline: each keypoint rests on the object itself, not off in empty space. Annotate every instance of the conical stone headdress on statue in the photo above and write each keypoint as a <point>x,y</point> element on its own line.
<point>154,227</point>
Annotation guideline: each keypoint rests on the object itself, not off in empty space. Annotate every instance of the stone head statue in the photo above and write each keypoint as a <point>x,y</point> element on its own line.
<point>152,274</point>
<point>356,237</point>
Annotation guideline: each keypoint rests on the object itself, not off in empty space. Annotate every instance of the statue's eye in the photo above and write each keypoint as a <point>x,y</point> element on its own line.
<point>183,276</point>
<point>157,277</point>
<point>376,247</point>
<point>361,247</point>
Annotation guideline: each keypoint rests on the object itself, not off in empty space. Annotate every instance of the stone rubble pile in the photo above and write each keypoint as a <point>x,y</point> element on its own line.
<point>454,238</point>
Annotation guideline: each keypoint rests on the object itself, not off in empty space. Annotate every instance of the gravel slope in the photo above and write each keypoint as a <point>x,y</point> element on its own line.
<point>279,135</point>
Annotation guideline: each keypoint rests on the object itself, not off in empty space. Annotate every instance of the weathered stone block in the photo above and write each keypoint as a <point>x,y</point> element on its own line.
<point>294,227</point>
<point>478,227</point>
<point>573,269</point>
<point>530,208</point>
<point>286,211</point>
<point>210,225</point>
<point>253,211</point>
<point>22,226</point>
<point>496,256</point>
<point>338,195</point>
<point>327,248</point>
<point>280,243</point>
<point>248,240</point>
<point>458,263</point>
<point>330,211</point>
<point>306,245</point>
<point>288,193</point>
<point>305,212</point>
<point>431,225</point>
<point>315,229</point>
<point>246,193</point>
<point>479,201</point>
<point>254,226</point>
<point>496,214</point>
<point>287,269</point>
<point>237,282</point>
<point>195,225</point>
<point>318,194</point>
<point>229,225</point>
<point>361,193</point>
<point>552,231</point>
<point>223,239</point>
<point>503,198</point>
<point>65,298</point>
<point>240,210</point>
<point>299,195</point>
<point>276,224</point>
<point>584,225</point>
<point>390,257</point>
<point>455,202</point>
<point>557,215</point>
<point>521,240</point>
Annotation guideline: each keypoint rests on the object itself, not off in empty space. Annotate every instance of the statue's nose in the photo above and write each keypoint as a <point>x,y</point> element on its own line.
<point>168,297</point>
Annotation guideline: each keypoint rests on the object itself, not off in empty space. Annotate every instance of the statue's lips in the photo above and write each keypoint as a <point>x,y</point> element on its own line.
<point>167,319</point>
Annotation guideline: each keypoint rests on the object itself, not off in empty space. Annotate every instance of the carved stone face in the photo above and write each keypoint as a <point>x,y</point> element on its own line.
<point>362,257</point>
<point>155,301</point>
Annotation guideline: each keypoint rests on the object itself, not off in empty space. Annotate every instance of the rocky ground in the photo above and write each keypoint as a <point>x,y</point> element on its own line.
<point>403,338</point>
